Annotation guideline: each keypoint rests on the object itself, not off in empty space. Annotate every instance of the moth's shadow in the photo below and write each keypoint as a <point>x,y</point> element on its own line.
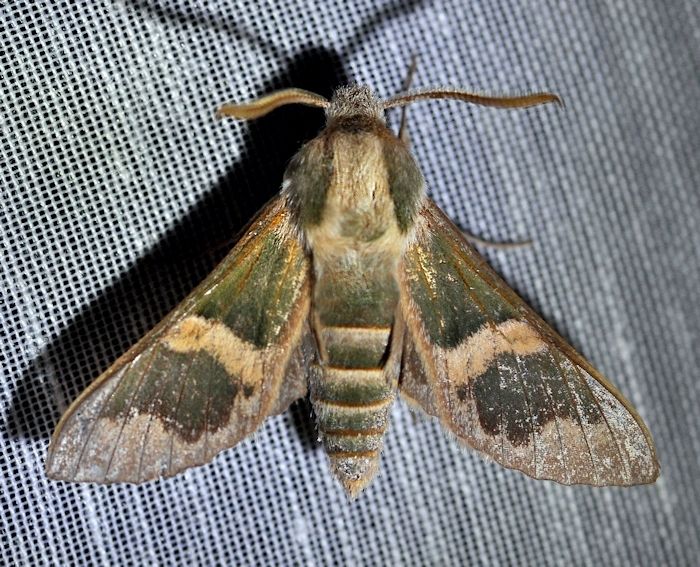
<point>301,414</point>
<point>125,310</point>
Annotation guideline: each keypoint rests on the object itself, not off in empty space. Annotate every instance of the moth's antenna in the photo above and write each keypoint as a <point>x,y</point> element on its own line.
<point>520,101</point>
<point>261,106</point>
<point>403,126</point>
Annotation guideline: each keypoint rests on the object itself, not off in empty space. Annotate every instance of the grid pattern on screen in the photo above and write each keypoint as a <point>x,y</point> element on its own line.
<point>120,191</point>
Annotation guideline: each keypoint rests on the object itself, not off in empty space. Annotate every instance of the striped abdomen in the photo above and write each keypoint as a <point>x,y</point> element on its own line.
<point>352,396</point>
<point>354,383</point>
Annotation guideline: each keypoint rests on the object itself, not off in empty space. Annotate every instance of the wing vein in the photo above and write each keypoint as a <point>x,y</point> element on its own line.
<point>131,403</point>
<point>605,419</point>
<point>147,431</point>
<point>553,354</point>
<point>555,417</point>
<point>186,378</point>
<point>264,387</point>
<point>242,283</point>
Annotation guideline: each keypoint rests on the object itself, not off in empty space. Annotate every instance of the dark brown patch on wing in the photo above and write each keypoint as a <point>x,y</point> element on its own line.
<point>501,403</point>
<point>518,398</point>
<point>207,403</point>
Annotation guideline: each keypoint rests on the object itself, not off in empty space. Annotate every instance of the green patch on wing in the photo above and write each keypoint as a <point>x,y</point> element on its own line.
<point>454,301</point>
<point>256,297</point>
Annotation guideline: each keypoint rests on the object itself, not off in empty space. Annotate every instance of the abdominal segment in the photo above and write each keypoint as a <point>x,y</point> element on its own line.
<point>354,382</point>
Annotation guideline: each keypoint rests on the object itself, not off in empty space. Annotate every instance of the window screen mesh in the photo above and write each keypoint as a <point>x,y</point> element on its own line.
<point>120,192</point>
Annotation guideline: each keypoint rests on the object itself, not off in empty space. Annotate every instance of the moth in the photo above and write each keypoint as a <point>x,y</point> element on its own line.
<point>351,286</point>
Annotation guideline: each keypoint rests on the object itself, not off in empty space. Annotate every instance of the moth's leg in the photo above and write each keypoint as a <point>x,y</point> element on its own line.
<point>498,245</point>
<point>403,128</point>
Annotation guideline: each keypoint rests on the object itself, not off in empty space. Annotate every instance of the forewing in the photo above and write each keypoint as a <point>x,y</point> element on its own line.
<point>501,380</point>
<point>232,353</point>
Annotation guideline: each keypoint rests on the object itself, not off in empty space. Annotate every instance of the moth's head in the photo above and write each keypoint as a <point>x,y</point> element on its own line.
<point>354,100</point>
<point>359,100</point>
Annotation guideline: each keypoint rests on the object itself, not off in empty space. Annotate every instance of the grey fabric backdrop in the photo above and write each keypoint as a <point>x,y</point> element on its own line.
<point>118,188</point>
